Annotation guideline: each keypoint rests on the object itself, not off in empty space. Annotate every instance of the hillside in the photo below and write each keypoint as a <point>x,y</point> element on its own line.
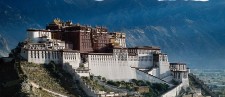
<point>29,79</point>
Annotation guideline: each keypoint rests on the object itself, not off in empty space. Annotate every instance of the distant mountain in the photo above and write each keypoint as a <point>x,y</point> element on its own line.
<point>4,49</point>
<point>191,32</point>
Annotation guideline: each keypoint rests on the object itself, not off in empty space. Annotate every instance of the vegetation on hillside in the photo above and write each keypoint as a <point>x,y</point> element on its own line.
<point>52,77</point>
<point>155,89</point>
<point>95,85</point>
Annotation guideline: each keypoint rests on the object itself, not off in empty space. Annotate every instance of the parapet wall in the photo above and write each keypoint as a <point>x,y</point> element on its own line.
<point>144,76</point>
<point>174,92</point>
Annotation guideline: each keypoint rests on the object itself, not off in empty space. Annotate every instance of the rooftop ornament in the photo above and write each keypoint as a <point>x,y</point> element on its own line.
<point>57,21</point>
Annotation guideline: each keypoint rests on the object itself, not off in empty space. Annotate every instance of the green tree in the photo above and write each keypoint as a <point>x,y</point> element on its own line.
<point>103,79</point>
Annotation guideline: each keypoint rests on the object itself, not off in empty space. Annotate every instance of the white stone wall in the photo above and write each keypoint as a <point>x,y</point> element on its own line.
<point>144,58</point>
<point>117,66</point>
<point>56,44</point>
<point>71,58</point>
<point>43,56</point>
<point>185,82</point>
<point>34,36</point>
<point>46,56</point>
<point>174,92</point>
<point>181,77</point>
<point>147,52</point>
<point>154,72</point>
<point>116,70</point>
<point>73,70</point>
<point>86,74</point>
<point>140,75</point>
<point>141,61</point>
<point>164,69</point>
<point>164,66</point>
<point>109,67</point>
<point>180,73</point>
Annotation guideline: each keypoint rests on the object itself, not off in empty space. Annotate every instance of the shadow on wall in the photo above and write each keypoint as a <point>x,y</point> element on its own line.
<point>144,62</point>
<point>166,74</point>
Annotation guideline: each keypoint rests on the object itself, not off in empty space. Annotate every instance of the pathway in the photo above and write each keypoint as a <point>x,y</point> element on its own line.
<point>47,90</point>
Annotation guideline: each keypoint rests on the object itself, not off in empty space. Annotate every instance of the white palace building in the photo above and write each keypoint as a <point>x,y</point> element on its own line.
<point>142,63</point>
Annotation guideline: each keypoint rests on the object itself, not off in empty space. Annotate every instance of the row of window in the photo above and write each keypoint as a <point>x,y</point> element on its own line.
<point>39,48</point>
<point>45,54</point>
<point>86,45</point>
<point>135,51</point>
<point>119,50</point>
<point>121,58</point>
<point>147,51</point>
<point>86,36</point>
<point>51,55</point>
<point>37,45</point>
<point>86,40</point>
<point>70,56</point>
<point>108,64</point>
<point>179,67</point>
<point>102,58</point>
<point>141,59</point>
<point>41,34</point>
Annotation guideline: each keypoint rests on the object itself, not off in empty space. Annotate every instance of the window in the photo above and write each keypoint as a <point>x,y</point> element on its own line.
<point>178,75</point>
<point>146,58</point>
<point>53,55</point>
<point>57,56</point>
<point>31,52</point>
<point>42,53</point>
<point>38,54</point>
<point>48,55</point>
<point>34,54</point>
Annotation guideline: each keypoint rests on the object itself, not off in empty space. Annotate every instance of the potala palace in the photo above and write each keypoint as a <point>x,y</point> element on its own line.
<point>84,50</point>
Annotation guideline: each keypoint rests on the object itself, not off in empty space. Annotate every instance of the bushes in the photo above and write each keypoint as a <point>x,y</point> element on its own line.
<point>141,83</point>
<point>38,74</point>
<point>103,79</point>
<point>91,77</point>
<point>99,77</point>
<point>159,88</point>
<point>94,84</point>
<point>134,81</point>
<point>110,82</point>
<point>121,84</point>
